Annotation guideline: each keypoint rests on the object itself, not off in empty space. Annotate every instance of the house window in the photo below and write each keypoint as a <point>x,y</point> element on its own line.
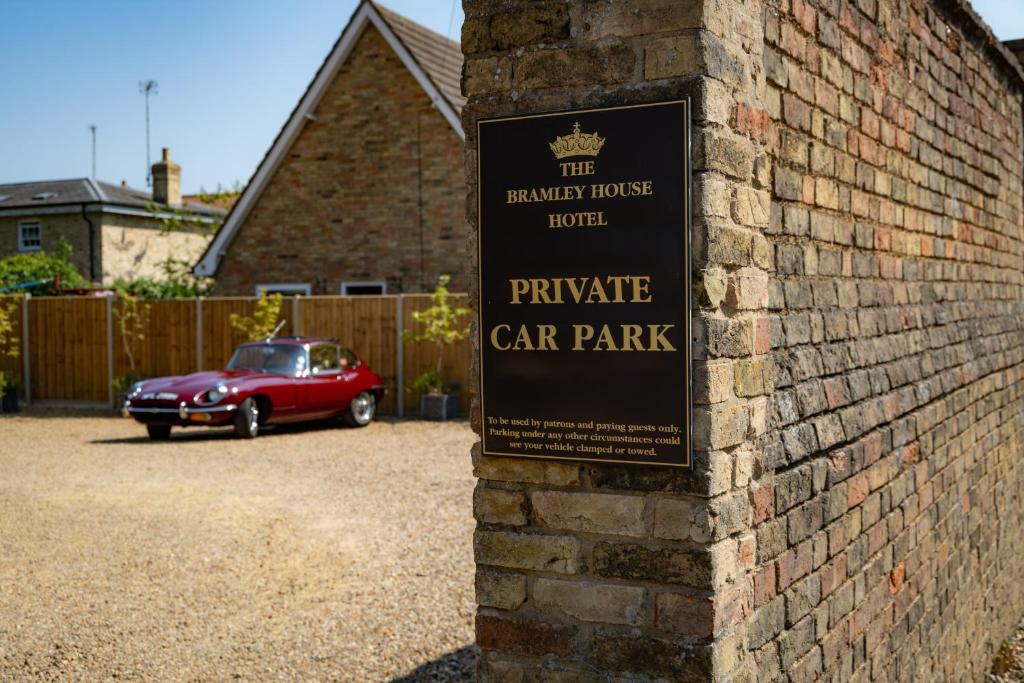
<point>286,288</point>
<point>364,288</point>
<point>30,236</point>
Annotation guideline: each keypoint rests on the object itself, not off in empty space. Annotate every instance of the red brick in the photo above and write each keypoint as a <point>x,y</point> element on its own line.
<point>530,638</point>
<point>764,584</point>
<point>692,615</point>
<point>763,500</point>
<point>896,578</point>
<point>857,490</point>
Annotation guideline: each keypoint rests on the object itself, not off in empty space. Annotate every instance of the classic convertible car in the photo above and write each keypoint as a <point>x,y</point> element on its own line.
<point>284,379</point>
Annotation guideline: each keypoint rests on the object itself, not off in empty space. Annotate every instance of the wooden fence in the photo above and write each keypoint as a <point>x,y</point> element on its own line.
<point>72,347</point>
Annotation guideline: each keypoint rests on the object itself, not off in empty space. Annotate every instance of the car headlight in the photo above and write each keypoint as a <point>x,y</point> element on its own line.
<point>217,393</point>
<point>135,390</point>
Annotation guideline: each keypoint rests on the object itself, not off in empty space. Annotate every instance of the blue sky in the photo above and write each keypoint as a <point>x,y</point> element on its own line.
<point>230,72</point>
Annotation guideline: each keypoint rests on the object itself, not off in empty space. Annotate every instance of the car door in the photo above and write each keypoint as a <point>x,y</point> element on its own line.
<point>323,387</point>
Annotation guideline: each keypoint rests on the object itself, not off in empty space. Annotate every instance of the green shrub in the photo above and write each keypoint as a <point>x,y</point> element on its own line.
<point>9,342</point>
<point>40,265</point>
<point>177,283</point>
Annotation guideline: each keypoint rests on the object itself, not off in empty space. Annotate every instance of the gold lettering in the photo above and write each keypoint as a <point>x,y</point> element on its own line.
<point>616,281</point>
<point>575,289</point>
<point>657,338</point>
<point>581,333</point>
<point>546,338</point>
<point>631,338</point>
<point>602,290</point>
<point>642,289</point>
<point>580,219</point>
<point>523,342</point>
<point>596,288</point>
<point>519,287</point>
<point>606,339</point>
<point>540,291</point>
<point>494,337</point>
<point>574,168</point>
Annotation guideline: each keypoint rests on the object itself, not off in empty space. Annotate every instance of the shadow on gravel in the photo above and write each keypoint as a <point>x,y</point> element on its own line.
<point>459,665</point>
<point>222,433</point>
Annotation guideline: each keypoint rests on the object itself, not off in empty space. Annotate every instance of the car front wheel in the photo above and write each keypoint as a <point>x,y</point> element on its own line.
<point>247,419</point>
<point>361,411</point>
<point>159,432</point>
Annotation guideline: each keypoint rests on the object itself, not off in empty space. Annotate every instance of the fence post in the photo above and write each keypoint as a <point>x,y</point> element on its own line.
<point>400,355</point>
<point>199,334</point>
<point>110,351</point>
<point>26,364</point>
<point>296,330</point>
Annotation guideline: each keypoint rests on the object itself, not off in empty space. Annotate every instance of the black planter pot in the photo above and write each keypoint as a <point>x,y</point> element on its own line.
<point>439,407</point>
<point>9,401</point>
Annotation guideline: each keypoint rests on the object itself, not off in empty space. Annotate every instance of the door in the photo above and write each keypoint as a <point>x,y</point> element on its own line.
<point>323,389</point>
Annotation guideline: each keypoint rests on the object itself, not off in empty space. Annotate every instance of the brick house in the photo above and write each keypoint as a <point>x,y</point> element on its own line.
<point>363,189</point>
<point>114,231</point>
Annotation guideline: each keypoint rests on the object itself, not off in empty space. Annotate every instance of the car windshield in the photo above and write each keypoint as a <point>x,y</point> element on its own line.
<point>274,358</point>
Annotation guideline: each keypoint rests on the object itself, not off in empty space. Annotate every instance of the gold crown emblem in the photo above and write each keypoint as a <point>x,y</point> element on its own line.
<point>577,144</point>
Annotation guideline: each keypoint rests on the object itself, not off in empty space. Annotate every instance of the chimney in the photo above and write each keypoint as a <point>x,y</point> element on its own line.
<point>167,180</point>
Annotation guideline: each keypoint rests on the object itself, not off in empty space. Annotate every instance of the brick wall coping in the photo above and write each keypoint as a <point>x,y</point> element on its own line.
<point>964,14</point>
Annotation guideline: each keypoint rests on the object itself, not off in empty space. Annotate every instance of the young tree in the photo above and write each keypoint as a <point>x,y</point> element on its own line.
<point>260,324</point>
<point>440,327</point>
<point>131,317</point>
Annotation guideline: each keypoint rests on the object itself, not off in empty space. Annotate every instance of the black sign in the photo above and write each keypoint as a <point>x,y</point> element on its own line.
<point>584,284</point>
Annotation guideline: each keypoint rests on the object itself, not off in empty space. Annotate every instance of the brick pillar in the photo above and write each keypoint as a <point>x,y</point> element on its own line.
<point>591,571</point>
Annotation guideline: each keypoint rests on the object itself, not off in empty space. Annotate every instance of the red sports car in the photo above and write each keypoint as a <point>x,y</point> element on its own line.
<point>285,379</point>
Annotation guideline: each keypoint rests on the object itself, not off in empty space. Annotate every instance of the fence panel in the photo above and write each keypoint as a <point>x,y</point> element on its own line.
<point>422,356</point>
<point>366,324</point>
<point>219,338</point>
<point>14,367</point>
<point>168,343</point>
<point>68,348</point>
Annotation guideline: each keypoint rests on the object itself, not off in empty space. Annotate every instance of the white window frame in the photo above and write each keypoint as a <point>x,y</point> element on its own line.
<point>364,283</point>
<point>22,225</point>
<point>285,288</point>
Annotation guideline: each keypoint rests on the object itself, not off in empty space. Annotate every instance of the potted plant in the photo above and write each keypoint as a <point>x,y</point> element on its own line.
<point>440,326</point>
<point>8,348</point>
<point>131,317</point>
<point>8,393</point>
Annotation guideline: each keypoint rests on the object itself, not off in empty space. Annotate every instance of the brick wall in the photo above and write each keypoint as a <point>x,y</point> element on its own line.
<point>125,246</point>
<point>888,546</point>
<point>134,247</point>
<point>854,509</point>
<point>348,200</point>
<point>72,227</point>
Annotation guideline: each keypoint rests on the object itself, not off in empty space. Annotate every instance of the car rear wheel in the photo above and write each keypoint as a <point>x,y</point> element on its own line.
<point>247,419</point>
<point>159,432</point>
<point>361,411</point>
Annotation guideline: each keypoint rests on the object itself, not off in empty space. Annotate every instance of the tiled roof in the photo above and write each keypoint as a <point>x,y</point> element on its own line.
<point>83,191</point>
<point>438,56</point>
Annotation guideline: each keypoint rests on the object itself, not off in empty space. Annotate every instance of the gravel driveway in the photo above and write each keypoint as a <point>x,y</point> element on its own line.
<point>313,554</point>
